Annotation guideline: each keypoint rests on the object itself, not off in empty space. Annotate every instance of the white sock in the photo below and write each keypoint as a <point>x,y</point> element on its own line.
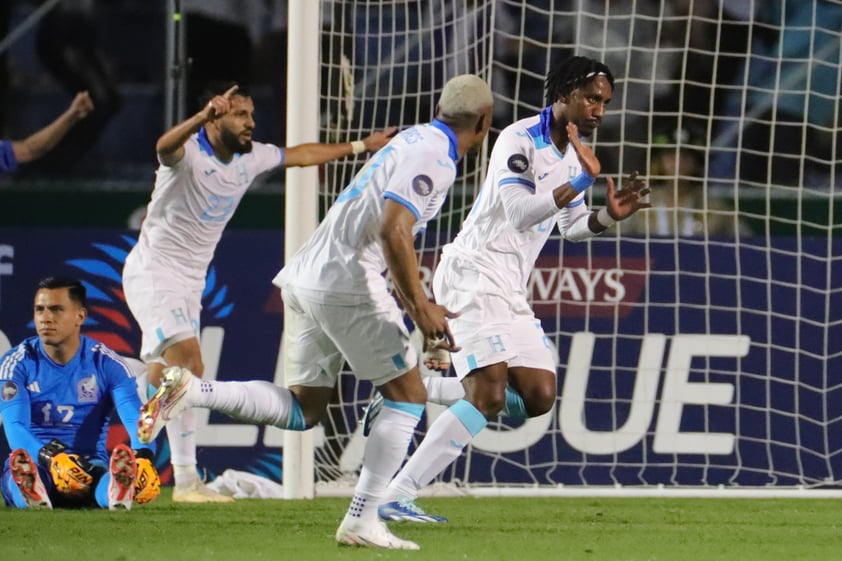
<point>184,475</point>
<point>443,443</point>
<point>385,449</point>
<point>444,391</point>
<point>257,402</point>
<point>181,434</point>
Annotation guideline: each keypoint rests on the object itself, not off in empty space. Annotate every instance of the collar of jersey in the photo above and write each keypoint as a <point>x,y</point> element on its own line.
<point>204,143</point>
<point>544,123</point>
<point>454,154</point>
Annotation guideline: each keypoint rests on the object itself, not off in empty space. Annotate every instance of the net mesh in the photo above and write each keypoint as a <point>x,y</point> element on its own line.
<point>698,341</point>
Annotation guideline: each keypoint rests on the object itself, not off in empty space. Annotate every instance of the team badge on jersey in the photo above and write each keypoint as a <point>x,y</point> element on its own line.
<point>518,163</point>
<point>422,184</point>
<point>9,391</point>
<point>87,390</point>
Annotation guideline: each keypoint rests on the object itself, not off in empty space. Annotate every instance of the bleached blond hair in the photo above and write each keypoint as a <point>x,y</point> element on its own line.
<point>464,97</point>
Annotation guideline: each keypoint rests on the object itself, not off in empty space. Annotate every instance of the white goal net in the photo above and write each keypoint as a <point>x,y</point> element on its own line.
<point>699,342</point>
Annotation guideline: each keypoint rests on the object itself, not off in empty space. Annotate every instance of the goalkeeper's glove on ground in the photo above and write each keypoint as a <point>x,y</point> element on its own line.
<point>147,484</point>
<point>71,474</point>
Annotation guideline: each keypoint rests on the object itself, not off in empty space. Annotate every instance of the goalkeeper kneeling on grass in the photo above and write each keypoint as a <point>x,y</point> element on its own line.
<point>57,393</point>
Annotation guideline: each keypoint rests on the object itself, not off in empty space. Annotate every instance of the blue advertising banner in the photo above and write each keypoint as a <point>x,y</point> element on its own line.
<point>680,364</point>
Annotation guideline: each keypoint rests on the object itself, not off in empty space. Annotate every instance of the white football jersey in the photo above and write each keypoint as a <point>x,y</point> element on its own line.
<point>192,203</point>
<point>345,255</point>
<point>523,157</point>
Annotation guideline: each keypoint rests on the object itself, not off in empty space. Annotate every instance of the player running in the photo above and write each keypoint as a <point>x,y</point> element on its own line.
<point>338,306</point>
<point>207,163</point>
<point>538,174</point>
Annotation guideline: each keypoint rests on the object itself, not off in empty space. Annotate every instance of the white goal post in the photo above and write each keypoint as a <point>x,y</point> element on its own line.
<point>700,342</point>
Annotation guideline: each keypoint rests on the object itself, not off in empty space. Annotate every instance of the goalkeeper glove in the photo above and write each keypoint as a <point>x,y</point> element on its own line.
<point>147,484</point>
<point>71,474</point>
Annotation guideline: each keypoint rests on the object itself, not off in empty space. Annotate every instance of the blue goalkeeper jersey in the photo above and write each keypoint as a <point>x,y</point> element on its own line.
<point>41,400</point>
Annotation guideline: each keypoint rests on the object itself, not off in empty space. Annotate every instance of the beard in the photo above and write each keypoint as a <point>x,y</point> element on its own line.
<point>232,142</point>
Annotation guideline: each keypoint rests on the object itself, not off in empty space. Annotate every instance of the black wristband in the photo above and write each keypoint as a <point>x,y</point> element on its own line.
<point>50,449</point>
<point>144,453</point>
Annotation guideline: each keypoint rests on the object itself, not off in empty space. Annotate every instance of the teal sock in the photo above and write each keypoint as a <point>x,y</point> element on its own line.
<point>515,407</point>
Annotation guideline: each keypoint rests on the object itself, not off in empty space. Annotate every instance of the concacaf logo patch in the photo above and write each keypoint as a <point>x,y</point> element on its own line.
<point>9,391</point>
<point>422,184</point>
<point>518,163</point>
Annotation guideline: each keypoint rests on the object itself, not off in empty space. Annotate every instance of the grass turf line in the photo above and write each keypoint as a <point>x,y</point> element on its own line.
<point>487,529</point>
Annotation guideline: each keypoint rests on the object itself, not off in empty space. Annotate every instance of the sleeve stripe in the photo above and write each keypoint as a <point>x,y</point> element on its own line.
<point>106,351</point>
<point>404,202</point>
<point>516,181</point>
<point>7,367</point>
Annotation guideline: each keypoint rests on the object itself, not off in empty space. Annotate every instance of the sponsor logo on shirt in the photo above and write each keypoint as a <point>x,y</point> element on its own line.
<point>87,390</point>
<point>9,391</point>
<point>422,184</point>
<point>543,175</point>
<point>518,163</point>
<point>34,387</point>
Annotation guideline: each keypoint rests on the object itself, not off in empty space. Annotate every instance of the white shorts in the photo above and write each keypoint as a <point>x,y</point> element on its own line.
<point>166,309</point>
<point>370,335</point>
<point>491,328</point>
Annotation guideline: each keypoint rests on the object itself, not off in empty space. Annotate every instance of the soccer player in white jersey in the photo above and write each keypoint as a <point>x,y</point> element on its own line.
<point>338,306</point>
<point>207,163</point>
<point>537,177</point>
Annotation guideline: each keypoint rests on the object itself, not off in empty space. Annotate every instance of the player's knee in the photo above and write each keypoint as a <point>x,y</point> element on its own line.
<point>539,399</point>
<point>490,402</point>
<point>312,417</point>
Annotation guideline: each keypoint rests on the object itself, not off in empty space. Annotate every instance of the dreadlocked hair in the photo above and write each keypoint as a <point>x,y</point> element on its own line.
<point>572,73</point>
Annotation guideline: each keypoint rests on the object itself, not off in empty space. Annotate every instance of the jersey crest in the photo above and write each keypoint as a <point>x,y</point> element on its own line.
<point>87,390</point>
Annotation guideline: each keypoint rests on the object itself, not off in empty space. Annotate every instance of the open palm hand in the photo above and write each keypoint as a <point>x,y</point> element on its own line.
<point>625,202</point>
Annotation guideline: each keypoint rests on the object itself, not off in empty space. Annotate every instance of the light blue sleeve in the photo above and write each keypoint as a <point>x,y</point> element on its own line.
<point>15,404</point>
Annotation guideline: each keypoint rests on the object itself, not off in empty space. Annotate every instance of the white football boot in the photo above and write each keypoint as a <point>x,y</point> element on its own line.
<point>353,531</point>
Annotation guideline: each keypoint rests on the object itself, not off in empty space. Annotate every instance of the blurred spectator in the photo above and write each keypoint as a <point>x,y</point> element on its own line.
<point>66,42</point>
<point>269,67</point>
<point>220,38</point>
<point>714,38</point>
<point>681,204</point>
<point>36,145</point>
<point>788,112</point>
<point>5,20</point>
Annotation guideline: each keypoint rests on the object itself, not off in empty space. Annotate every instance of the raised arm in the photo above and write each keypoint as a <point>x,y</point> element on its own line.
<point>314,153</point>
<point>39,143</point>
<point>170,146</point>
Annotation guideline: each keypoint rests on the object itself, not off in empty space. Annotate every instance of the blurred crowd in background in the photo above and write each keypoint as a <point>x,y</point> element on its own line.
<point>727,81</point>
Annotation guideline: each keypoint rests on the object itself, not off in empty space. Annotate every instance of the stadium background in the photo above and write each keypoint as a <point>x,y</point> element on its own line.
<point>73,213</point>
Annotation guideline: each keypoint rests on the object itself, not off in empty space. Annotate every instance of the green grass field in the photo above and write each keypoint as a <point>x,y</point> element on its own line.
<point>485,529</point>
